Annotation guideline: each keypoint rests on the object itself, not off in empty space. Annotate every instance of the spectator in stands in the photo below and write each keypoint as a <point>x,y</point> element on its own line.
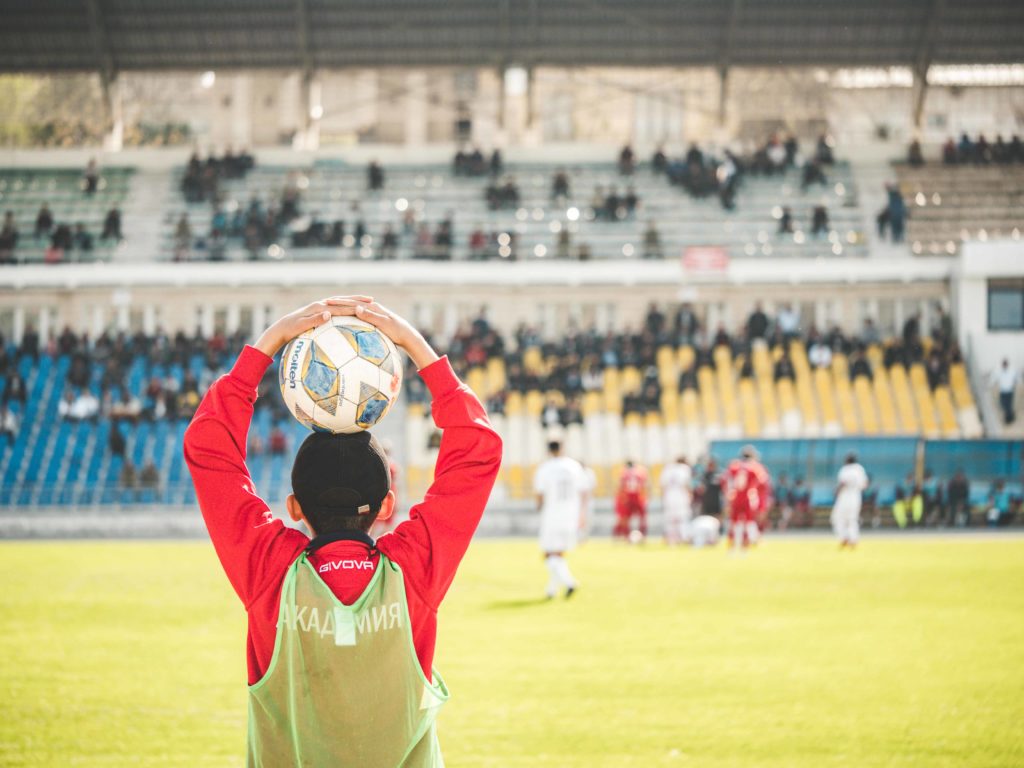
<point>9,422</point>
<point>859,366</point>
<point>896,211</point>
<point>91,178</point>
<point>15,389</point>
<point>128,408</point>
<point>786,221</point>
<point>949,152</point>
<point>936,369</point>
<point>757,323</point>
<point>278,441</point>
<point>388,243</point>
<point>964,149</point>
<point>8,238</point>
<point>44,222</point>
<point>823,152</point>
<point>819,355</point>
<point>374,176</point>
<point>819,220</point>
<point>560,185</point>
<point>869,332</point>
<point>812,174</point>
<point>116,442</point>
<point>563,243</point>
<point>912,331</point>
<point>627,161</point>
<point>958,507</point>
<point>914,155</point>
<point>497,164</point>
<point>478,244</point>
<point>788,322</point>
<point>659,161</point>
<point>182,239</point>
<point>128,478</point>
<point>112,226</point>
<point>652,242</point>
<point>81,239</point>
<point>149,477</point>
<point>784,368</point>
<point>1006,379</point>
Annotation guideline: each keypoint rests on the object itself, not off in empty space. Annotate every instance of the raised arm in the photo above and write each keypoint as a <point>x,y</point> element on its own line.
<point>249,540</point>
<point>431,543</point>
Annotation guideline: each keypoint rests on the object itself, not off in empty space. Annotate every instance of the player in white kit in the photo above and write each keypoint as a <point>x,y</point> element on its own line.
<point>851,482</point>
<point>561,487</point>
<point>676,500</point>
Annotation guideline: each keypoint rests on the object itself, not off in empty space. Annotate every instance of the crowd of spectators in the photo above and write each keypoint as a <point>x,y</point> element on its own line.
<point>471,162</point>
<point>201,181</point>
<point>704,173</point>
<point>968,151</point>
<point>61,240</point>
<point>575,363</point>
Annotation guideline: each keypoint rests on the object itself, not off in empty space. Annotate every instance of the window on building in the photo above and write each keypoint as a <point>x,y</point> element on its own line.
<point>1006,305</point>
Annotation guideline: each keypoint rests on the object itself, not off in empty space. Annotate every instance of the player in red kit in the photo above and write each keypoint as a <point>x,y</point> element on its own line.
<point>631,501</point>
<point>747,488</point>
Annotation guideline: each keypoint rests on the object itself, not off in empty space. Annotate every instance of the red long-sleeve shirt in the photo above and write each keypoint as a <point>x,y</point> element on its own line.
<point>256,549</point>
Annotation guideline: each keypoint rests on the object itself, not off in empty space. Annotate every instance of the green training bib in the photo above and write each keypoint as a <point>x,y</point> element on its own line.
<point>344,686</point>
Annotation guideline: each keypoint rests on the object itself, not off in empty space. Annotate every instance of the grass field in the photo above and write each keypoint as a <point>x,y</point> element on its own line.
<point>907,652</point>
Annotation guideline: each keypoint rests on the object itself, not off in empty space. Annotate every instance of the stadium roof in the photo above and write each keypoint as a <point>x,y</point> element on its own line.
<point>121,35</point>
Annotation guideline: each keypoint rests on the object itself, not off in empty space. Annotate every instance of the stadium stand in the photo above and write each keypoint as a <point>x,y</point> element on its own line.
<point>325,211</point>
<point>950,204</point>
<point>23,192</point>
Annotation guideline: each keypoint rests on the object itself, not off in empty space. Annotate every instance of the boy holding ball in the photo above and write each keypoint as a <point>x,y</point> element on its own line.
<point>341,628</point>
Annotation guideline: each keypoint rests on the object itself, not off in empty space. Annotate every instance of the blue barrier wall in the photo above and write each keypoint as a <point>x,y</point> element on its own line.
<point>887,460</point>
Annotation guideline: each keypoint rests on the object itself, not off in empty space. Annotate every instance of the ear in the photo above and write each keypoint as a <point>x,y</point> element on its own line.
<point>387,507</point>
<point>295,512</point>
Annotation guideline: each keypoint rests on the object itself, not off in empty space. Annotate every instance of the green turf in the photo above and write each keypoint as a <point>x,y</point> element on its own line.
<point>907,652</point>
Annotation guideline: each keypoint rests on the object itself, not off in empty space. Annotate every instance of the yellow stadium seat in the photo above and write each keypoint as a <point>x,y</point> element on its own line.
<point>787,396</point>
<point>534,403</point>
<point>496,380</point>
<point>825,390</point>
<point>689,407</point>
<point>685,357</point>
<point>866,408</point>
<point>669,404</point>
<point>591,403</point>
<point>875,356</point>
<point>514,404</point>
<point>887,421</point>
<point>767,400</point>
<point>477,381</point>
<point>947,413</point>
<point>727,396</point>
<point>748,408</point>
<point>845,405</point>
<point>923,400</point>
<point>666,357</point>
<point>631,379</point>
<point>708,397</point>
<point>805,399</point>
<point>904,400</point>
<point>961,387</point>
<point>532,360</point>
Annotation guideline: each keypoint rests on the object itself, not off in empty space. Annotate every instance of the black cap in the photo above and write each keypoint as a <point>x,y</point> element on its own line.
<point>340,475</point>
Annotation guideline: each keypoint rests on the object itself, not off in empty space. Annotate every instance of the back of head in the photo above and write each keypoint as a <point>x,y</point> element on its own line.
<point>851,458</point>
<point>340,481</point>
<point>748,453</point>
<point>554,447</point>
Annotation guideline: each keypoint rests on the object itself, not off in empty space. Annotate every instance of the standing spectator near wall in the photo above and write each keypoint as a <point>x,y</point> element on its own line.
<point>1006,379</point>
<point>44,222</point>
<point>958,507</point>
<point>91,178</point>
<point>8,238</point>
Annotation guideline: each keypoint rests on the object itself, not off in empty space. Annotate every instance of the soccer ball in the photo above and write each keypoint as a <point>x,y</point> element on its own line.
<point>342,376</point>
